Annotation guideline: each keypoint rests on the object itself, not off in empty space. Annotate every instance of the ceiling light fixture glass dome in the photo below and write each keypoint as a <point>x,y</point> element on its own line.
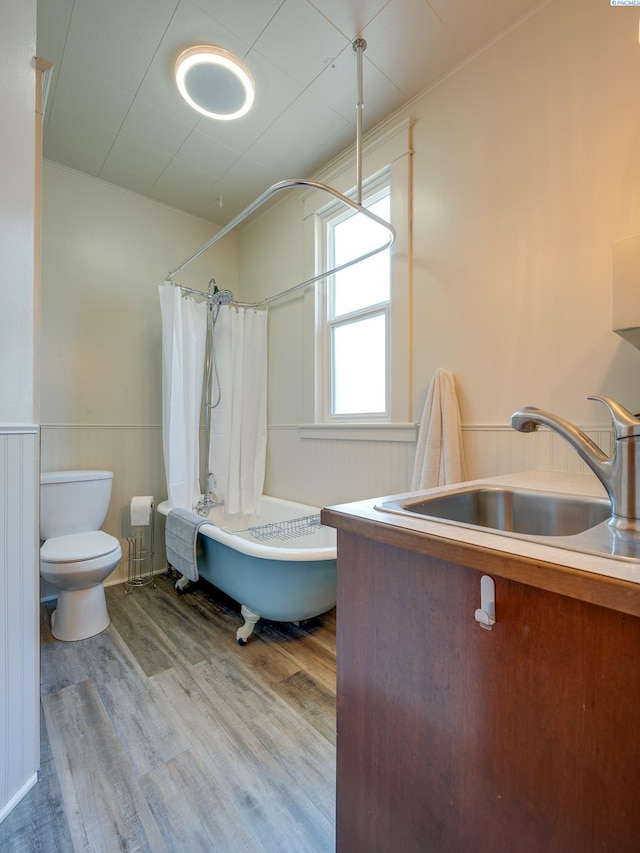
<point>214,82</point>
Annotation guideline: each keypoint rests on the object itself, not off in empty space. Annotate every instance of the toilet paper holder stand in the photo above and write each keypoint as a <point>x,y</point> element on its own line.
<point>141,553</point>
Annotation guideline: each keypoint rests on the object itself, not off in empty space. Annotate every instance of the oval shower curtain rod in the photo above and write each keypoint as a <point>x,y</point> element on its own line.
<point>359,45</point>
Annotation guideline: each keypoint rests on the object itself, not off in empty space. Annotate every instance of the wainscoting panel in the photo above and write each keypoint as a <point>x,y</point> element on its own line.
<point>492,450</point>
<point>330,471</point>
<point>133,453</point>
<point>19,615</point>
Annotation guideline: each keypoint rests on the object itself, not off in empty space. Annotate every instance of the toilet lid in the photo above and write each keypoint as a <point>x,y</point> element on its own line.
<point>77,547</point>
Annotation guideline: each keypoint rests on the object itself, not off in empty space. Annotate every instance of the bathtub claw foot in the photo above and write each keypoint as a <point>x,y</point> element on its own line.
<point>245,631</point>
<point>182,583</point>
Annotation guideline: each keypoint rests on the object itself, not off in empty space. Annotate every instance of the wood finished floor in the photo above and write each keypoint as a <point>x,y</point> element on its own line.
<point>163,734</point>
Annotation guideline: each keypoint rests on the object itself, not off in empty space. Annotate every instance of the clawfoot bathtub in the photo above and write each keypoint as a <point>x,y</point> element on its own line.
<point>280,565</point>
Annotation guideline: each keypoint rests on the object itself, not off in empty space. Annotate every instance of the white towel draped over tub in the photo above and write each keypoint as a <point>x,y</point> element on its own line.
<point>439,455</point>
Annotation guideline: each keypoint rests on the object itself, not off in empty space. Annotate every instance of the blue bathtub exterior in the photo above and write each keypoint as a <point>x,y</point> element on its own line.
<point>282,590</point>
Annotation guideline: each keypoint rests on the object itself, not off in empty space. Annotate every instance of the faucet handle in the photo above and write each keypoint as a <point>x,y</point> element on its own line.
<point>626,425</point>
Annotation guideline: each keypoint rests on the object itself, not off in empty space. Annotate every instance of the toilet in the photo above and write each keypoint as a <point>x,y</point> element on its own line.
<point>76,556</point>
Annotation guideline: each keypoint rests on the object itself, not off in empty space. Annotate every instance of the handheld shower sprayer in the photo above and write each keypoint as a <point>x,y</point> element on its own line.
<point>216,299</point>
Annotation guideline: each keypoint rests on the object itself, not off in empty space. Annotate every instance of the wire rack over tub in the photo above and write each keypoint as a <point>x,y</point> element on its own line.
<point>290,529</point>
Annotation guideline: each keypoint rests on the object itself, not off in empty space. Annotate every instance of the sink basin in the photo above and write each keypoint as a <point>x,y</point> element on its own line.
<point>516,511</point>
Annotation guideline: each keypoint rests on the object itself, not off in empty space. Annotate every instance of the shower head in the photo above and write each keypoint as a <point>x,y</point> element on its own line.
<point>221,297</point>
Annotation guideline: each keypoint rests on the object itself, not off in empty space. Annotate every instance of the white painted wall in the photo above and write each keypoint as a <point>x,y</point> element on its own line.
<point>526,170</point>
<point>104,253</point>
<point>19,671</point>
<point>17,95</point>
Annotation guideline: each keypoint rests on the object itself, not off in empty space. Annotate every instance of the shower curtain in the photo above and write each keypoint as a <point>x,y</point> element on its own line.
<point>184,330</point>
<point>237,455</point>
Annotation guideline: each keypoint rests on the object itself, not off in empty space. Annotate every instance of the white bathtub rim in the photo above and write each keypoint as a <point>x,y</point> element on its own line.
<point>264,550</point>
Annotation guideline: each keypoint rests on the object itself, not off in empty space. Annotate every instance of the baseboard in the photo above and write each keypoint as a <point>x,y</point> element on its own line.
<point>13,802</point>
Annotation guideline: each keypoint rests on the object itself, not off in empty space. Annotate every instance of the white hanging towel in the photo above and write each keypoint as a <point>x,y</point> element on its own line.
<point>439,455</point>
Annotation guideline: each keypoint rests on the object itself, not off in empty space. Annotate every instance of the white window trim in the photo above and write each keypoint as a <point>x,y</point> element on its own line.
<point>388,149</point>
<point>326,323</point>
<point>396,432</point>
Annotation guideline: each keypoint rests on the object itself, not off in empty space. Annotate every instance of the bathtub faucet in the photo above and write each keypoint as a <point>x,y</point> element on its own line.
<point>619,474</point>
<point>209,500</point>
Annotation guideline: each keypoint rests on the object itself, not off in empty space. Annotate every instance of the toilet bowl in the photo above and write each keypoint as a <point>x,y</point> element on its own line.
<point>77,565</point>
<point>76,556</point>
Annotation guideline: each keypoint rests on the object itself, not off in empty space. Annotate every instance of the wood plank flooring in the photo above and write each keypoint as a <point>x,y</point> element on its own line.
<point>163,734</point>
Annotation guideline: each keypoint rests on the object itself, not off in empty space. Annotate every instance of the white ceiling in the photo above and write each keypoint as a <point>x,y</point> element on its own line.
<point>114,112</point>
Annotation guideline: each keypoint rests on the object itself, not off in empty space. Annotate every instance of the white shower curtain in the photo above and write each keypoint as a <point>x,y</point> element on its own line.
<point>237,455</point>
<point>184,331</point>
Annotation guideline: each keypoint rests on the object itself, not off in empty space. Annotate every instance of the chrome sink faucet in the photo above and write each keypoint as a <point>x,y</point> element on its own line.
<point>619,473</point>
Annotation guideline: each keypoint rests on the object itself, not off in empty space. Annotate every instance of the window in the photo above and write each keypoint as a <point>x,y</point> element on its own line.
<point>356,308</point>
<point>357,327</point>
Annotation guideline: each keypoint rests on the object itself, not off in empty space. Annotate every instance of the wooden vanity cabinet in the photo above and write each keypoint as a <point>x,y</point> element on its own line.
<point>455,738</point>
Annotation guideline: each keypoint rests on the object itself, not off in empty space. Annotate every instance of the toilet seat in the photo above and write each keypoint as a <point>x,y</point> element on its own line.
<point>79,560</point>
<point>78,547</point>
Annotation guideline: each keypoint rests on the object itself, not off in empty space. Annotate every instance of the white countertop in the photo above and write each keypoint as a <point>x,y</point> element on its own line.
<point>571,484</point>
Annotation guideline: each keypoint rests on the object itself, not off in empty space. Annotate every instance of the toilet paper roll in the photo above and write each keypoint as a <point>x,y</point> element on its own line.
<point>141,510</point>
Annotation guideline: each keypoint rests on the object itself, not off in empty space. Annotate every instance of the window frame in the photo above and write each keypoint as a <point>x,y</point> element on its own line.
<point>391,147</point>
<point>373,189</point>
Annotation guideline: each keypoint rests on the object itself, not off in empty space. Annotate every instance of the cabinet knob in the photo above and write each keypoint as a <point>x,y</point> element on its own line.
<point>486,614</point>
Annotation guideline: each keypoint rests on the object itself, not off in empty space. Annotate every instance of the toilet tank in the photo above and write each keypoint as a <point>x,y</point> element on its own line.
<point>73,501</point>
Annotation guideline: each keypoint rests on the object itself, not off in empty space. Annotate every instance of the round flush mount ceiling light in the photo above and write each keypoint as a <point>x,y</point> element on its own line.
<point>214,82</point>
